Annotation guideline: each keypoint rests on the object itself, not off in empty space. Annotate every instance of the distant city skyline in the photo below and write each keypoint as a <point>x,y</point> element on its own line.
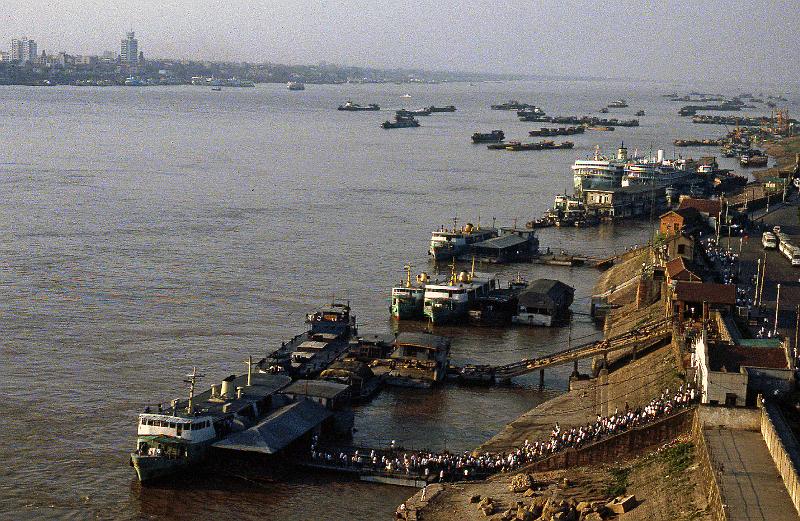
<point>707,40</point>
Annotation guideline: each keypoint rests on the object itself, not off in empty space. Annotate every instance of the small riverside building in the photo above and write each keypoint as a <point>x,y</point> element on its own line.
<point>733,371</point>
<point>676,270</point>
<point>709,209</point>
<point>417,360</point>
<point>511,246</point>
<point>623,202</point>
<point>543,303</point>
<point>694,300</point>
<point>685,220</point>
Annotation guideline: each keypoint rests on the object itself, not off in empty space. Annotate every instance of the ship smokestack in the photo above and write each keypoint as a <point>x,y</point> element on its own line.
<point>622,152</point>
<point>660,156</point>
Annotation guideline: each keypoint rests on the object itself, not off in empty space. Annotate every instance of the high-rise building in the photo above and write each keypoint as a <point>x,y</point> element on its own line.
<point>23,50</point>
<point>129,51</point>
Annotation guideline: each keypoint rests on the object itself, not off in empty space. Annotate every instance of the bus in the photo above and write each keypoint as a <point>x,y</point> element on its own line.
<point>769,241</point>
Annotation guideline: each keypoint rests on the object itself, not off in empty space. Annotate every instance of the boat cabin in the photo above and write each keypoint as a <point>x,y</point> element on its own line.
<point>543,303</point>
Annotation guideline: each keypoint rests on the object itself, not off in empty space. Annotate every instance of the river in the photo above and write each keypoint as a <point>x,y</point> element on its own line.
<point>144,231</point>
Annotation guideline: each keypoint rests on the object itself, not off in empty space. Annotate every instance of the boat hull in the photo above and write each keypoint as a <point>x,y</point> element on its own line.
<point>446,312</point>
<point>407,308</point>
<point>154,468</point>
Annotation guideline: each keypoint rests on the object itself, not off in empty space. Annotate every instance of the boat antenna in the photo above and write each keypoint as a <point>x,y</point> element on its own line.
<point>455,224</point>
<point>479,221</point>
<point>472,271</point>
<point>191,379</point>
<point>407,267</point>
<point>249,370</point>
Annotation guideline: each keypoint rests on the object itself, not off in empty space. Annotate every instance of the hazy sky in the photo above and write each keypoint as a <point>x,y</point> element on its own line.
<point>668,39</point>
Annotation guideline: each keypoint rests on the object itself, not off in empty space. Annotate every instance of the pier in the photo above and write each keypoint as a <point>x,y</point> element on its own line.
<point>641,338</point>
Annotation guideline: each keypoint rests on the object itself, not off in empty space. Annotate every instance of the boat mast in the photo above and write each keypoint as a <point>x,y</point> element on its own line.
<point>407,267</point>
<point>192,380</point>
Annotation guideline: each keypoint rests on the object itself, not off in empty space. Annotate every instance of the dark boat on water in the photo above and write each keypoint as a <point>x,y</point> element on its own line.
<point>405,113</point>
<point>541,145</point>
<point>513,105</point>
<point>401,122</point>
<point>640,113</point>
<point>355,107</point>
<point>448,108</point>
<point>547,132</point>
<point>491,137</point>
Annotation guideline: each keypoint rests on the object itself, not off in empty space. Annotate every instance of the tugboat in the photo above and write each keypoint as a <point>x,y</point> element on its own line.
<point>407,300</point>
<point>451,302</point>
<point>401,122</point>
<point>355,107</point>
<point>448,244</point>
<point>492,137</point>
<point>448,108</point>
<point>180,437</point>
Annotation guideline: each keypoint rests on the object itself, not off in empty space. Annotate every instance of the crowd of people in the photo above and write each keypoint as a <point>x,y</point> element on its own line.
<point>724,259</point>
<point>446,466</point>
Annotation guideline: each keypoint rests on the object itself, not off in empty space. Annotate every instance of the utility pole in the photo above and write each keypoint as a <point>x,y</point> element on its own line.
<point>777,309</point>
<point>758,281</point>
<point>796,329</point>
<point>763,277</point>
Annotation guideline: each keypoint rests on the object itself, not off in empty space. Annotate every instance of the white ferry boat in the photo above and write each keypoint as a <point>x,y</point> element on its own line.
<point>449,244</point>
<point>451,302</point>
<point>600,172</point>
<point>170,440</point>
<point>657,172</point>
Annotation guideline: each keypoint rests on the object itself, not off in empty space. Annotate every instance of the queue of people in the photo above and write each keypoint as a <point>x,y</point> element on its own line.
<point>446,466</point>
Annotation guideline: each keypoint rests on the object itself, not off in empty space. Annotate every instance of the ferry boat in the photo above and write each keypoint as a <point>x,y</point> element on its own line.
<point>180,437</point>
<point>309,353</point>
<point>355,107</point>
<point>448,244</point>
<point>513,105</point>
<point>600,172</point>
<point>406,301</point>
<point>296,85</point>
<point>418,360</point>
<point>656,173</point>
<point>451,302</point>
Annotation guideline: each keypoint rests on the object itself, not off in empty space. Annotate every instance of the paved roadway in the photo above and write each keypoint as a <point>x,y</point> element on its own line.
<point>779,269</point>
<point>752,489</point>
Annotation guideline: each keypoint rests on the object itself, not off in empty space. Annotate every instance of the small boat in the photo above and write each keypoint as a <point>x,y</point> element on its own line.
<point>618,104</point>
<point>216,89</point>
<point>411,113</point>
<point>604,110</point>
<point>491,137</point>
<point>355,107</point>
<point>406,95</point>
<point>296,85</point>
<point>513,105</point>
<point>541,145</point>
<point>601,128</point>
<point>448,108</point>
<point>640,113</point>
<point>401,122</point>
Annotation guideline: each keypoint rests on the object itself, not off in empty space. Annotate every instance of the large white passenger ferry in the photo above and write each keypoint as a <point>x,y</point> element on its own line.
<point>600,172</point>
<point>658,172</point>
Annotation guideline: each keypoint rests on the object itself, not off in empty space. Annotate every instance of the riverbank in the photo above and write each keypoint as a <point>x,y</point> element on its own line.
<point>785,151</point>
<point>631,379</point>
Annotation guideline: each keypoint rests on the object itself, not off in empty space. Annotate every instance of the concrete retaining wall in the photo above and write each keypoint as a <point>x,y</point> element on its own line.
<point>733,418</point>
<point>783,448</point>
<point>716,505</point>
<point>622,446</point>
